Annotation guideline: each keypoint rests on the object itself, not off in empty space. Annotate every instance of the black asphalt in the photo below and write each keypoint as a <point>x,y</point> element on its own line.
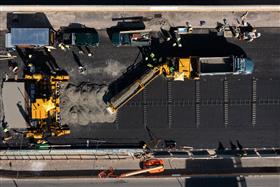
<point>170,110</point>
<point>179,119</point>
<point>140,2</point>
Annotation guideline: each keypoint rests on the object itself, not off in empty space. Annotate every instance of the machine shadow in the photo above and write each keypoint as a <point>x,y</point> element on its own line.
<point>202,45</point>
<point>33,20</point>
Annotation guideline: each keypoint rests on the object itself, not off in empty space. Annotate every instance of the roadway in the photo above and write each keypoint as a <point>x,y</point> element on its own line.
<point>205,181</point>
<point>139,2</point>
<point>251,116</point>
<point>255,123</point>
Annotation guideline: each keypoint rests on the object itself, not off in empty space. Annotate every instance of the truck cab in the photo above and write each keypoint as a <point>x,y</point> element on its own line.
<point>78,36</point>
<point>131,38</point>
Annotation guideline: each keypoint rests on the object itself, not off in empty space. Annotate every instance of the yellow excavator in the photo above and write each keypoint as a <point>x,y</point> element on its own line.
<point>44,105</point>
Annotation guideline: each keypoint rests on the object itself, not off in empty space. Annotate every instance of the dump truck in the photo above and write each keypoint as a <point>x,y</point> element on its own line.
<point>78,36</point>
<point>30,38</point>
<point>179,69</point>
<point>194,67</point>
<point>138,38</point>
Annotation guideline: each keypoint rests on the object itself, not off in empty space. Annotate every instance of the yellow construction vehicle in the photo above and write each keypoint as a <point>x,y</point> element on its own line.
<point>179,69</point>
<point>44,105</point>
<point>174,69</point>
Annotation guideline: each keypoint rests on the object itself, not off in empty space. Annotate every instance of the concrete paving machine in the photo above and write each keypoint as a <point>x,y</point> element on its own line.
<point>44,105</point>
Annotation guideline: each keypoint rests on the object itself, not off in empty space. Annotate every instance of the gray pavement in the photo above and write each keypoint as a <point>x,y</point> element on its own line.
<point>205,181</point>
<point>139,2</point>
<point>256,127</point>
<point>103,20</point>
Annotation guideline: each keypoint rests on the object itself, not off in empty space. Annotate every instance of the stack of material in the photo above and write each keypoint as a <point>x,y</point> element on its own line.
<point>84,104</point>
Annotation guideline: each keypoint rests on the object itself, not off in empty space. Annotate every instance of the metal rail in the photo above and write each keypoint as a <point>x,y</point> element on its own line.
<point>117,154</point>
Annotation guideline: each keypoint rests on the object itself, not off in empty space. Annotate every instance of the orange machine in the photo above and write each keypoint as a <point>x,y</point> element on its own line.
<point>151,166</point>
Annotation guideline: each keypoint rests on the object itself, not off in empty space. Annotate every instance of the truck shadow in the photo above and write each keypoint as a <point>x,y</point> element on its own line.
<point>125,26</point>
<point>30,20</point>
<point>202,45</point>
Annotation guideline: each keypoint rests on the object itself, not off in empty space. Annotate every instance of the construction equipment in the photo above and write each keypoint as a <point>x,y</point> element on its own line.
<point>179,69</point>
<point>131,38</point>
<point>194,67</point>
<point>151,166</point>
<point>78,36</point>
<point>30,38</point>
<point>129,92</point>
<point>44,109</point>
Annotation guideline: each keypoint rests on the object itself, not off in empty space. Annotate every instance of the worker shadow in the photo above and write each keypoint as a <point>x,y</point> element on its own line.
<point>214,181</point>
<point>27,20</point>
<point>202,45</point>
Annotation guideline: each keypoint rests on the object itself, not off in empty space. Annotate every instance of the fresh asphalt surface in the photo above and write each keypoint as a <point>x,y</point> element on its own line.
<point>170,110</point>
<point>179,119</point>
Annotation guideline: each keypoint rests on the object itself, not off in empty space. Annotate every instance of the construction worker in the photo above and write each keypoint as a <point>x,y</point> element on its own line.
<point>246,31</point>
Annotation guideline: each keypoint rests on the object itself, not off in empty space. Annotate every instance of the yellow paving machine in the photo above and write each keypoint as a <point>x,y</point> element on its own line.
<point>44,105</point>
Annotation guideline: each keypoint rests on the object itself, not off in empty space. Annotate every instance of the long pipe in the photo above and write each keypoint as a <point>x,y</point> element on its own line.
<point>139,172</point>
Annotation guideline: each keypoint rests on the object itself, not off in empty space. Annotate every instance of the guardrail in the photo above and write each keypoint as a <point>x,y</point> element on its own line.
<point>68,154</point>
<point>117,154</point>
<point>211,153</point>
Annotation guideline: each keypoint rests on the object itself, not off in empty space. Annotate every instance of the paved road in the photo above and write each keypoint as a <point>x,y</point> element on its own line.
<point>139,2</point>
<point>252,122</point>
<point>229,181</point>
<point>251,116</point>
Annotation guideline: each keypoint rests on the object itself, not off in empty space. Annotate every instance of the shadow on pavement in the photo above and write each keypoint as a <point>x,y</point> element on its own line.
<point>202,45</point>
<point>213,165</point>
<point>125,26</point>
<point>133,72</point>
<point>228,181</point>
<point>30,20</point>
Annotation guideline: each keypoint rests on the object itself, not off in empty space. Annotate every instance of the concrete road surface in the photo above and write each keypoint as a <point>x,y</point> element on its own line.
<point>205,181</point>
<point>139,2</point>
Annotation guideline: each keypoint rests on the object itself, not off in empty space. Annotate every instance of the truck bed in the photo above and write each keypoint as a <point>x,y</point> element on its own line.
<point>216,64</point>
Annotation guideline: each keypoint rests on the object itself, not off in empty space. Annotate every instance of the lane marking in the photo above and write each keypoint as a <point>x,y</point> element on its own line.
<point>197,103</point>
<point>254,101</point>
<point>145,108</point>
<point>169,98</point>
<point>226,102</point>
